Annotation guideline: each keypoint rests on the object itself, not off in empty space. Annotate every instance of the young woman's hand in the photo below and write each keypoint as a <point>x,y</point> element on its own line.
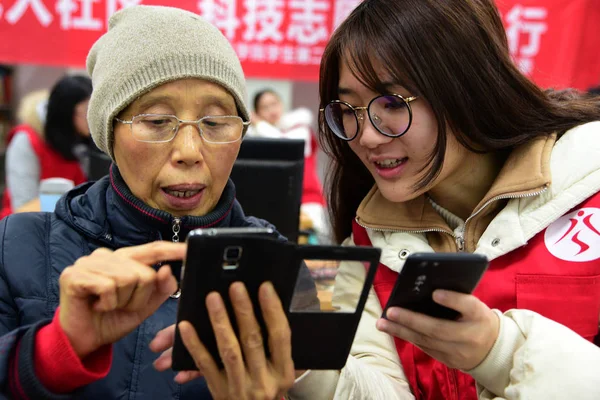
<point>106,295</point>
<point>461,344</point>
<point>248,373</point>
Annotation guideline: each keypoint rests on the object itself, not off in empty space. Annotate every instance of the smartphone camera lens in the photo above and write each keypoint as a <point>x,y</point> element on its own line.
<point>232,254</point>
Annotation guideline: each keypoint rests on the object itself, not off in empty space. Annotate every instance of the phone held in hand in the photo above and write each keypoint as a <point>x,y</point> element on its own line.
<point>423,273</point>
<point>217,257</point>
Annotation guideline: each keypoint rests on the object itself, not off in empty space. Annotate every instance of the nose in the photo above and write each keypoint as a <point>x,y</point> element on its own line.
<point>368,135</point>
<point>187,145</point>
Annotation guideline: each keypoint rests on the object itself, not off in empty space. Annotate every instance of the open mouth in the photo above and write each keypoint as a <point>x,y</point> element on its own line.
<point>183,194</point>
<point>391,163</point>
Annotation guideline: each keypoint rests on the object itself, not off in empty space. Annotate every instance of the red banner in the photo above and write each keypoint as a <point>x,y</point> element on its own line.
<point>556,42</point>
<point>273,38</point>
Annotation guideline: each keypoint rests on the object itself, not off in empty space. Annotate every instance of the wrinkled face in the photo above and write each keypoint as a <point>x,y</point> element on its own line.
<point>80,118</point>
<point>270,108</point>
<point>187,175</point>
<point>396,163</point>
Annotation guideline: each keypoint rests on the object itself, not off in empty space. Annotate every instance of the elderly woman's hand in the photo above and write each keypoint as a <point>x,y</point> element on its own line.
<point>248,374</point>
<point>461,344</point>
<point>106,295</point>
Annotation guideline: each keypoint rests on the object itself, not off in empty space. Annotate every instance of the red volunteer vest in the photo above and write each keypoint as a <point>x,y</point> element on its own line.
<point>52,164</point>
<point>312,190</point>
<point>557,274</point>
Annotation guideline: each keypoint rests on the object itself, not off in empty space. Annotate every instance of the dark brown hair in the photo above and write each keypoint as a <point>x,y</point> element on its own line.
<point>259,96</point>
<point>454,54</point>
<point>59,130</point>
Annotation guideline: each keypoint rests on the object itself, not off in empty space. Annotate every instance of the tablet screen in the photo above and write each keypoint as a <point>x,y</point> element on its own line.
<point>324,278</point>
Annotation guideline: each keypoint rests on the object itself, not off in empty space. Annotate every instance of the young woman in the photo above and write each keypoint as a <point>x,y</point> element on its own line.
<point>440,144</point>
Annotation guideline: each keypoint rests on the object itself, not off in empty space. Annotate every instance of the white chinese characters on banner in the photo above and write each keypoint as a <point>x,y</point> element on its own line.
<point>291,32</point>
<point>78,15</point>
<point>263,20</point>
<point>14,14</point>
<point>287,55</point>
<point>308,21</point>
<point>274,31</point>
<point>222,14</point>
<point>73,14</point>
<point>343,8</point>
<point>281,54</point>
<point>530,22</point>
<point>303,55</point>
<point>257,53</point>
<point>272,53</point>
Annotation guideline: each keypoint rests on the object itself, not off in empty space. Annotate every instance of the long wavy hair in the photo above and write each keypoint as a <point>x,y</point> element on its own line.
<point>453,53</point>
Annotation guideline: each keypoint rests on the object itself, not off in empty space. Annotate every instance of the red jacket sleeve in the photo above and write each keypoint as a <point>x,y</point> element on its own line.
<point>57,365</point>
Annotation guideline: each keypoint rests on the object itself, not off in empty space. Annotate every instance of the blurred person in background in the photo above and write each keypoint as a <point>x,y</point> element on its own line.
<point>270,121</point>
<point>51,142</point>
<point>67,129</point>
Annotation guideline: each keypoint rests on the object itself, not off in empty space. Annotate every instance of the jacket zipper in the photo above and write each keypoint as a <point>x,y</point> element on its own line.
<point>405,230</point>
<point>176,227</point>
<point>459,235</point>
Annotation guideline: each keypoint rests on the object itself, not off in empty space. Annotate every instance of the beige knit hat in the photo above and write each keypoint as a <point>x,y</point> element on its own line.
<point>147,46</point>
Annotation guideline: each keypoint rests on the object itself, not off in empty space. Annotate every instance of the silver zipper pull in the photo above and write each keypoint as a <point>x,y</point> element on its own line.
<point>176,229</point>
<point>460,243</point>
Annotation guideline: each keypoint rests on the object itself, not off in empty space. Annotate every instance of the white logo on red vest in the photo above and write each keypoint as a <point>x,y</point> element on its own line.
<point>575,236</point>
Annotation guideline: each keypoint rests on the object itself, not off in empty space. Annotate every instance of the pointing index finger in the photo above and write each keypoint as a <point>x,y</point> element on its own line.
<point>154,252</point>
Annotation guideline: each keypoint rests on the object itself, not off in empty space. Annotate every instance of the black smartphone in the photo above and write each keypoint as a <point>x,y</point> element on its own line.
<point>425,272</point>
<point>215,259</point>
<point>197,235</point>
<point>321,337</point>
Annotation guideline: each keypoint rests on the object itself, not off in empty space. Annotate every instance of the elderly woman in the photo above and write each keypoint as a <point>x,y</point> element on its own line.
<point>83,290</point>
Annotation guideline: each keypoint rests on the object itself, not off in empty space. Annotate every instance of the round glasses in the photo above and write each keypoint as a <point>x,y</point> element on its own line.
<point>160,128</point>
<point>390,114</point>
